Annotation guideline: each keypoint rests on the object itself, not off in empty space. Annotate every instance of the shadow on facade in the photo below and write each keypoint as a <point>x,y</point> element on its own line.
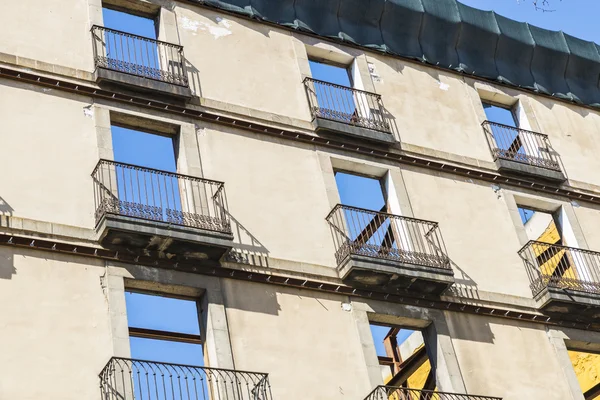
<point>469,327</point>
<point>193,78</point>
<point>7,268</point>
<point>247,249</point>
<point>463,285</point>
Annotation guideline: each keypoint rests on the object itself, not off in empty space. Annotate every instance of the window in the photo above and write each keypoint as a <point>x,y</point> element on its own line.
<point>141,160</point>
<point>500,115</point>
<point>164,329</point>
<point>403,357</point>
<point>541,226</point>
<point>360,191</point>
<point>130,23</point>
<point>330,73</point>
<point>137,147</point>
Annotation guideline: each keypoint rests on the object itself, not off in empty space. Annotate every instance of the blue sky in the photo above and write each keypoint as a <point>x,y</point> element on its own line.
<point>578,18</point>
<point>575,17</point>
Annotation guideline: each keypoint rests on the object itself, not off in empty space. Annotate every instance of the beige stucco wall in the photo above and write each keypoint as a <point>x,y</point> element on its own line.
<point>431,108</point>
<point>511,360</point>
<point>54,326</point>
<point>307,343</point>
<point>275,191</point>
<point>573,132</point>
<point>475,224</point>
<point>242,63</point>
<point>47,33</point>
<point>50,150</point>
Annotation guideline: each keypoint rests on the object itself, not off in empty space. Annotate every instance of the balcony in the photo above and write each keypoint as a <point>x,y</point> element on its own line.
<point>564,280</point>
<point>343,110</point>
<point>400,393</point>
<point>160,213</point>
<point>139,63</point>
<point>126,379</point>
<point>383,251</point>
<point>523,152</point>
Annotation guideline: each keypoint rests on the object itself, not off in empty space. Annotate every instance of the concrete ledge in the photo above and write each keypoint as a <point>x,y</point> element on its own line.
<point>161,239</point>
<point>570,304</point>
<point>526,169</point>
<point>392,276</point>
<point>334,127</point>
<point>103,75</point>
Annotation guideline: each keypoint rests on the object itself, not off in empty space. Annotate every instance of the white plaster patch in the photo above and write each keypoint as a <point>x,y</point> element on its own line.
<point>498,190</point>
<point>223,22</point>
<point>346,306</point>
<point>88,112</point>
<point>443,86</point>
<point>373,72</point>
<point>217,31</point>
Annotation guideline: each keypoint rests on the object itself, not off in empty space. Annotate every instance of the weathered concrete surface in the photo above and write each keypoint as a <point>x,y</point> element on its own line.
<point>54,326</point>
<point>149,87</point>
<point>527,170</point>
<point>334,128</point>
<point>306,341</point>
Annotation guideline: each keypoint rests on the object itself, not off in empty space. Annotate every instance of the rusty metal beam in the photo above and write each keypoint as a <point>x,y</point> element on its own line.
<point>592,393</point>
<point>394,155</point>
<point>165,335</point>
<point>409,367</point>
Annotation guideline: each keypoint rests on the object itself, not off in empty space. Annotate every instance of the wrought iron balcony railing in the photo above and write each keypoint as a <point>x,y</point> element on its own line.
<point>150,194</point>
<point>357,231</point>
<point>400,393</point>
<point>561,267</point>
<point>519,145</point>
<point>138,55</point>
<point>127,379</point>
<point>346,105</point>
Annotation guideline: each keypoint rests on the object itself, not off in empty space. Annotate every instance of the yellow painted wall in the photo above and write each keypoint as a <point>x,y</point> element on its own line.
<point>587,368</point>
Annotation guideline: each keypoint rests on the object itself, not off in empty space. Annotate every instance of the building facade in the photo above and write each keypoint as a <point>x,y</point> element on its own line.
<point>485,241</point>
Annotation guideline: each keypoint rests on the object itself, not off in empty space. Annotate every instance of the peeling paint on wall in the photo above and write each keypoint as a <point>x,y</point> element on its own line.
<point>88,112</point>
<point>218,30</point>
<point>374,74</point>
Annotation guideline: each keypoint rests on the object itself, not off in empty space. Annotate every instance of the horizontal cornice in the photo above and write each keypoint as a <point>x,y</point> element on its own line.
<point>390,155</point>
